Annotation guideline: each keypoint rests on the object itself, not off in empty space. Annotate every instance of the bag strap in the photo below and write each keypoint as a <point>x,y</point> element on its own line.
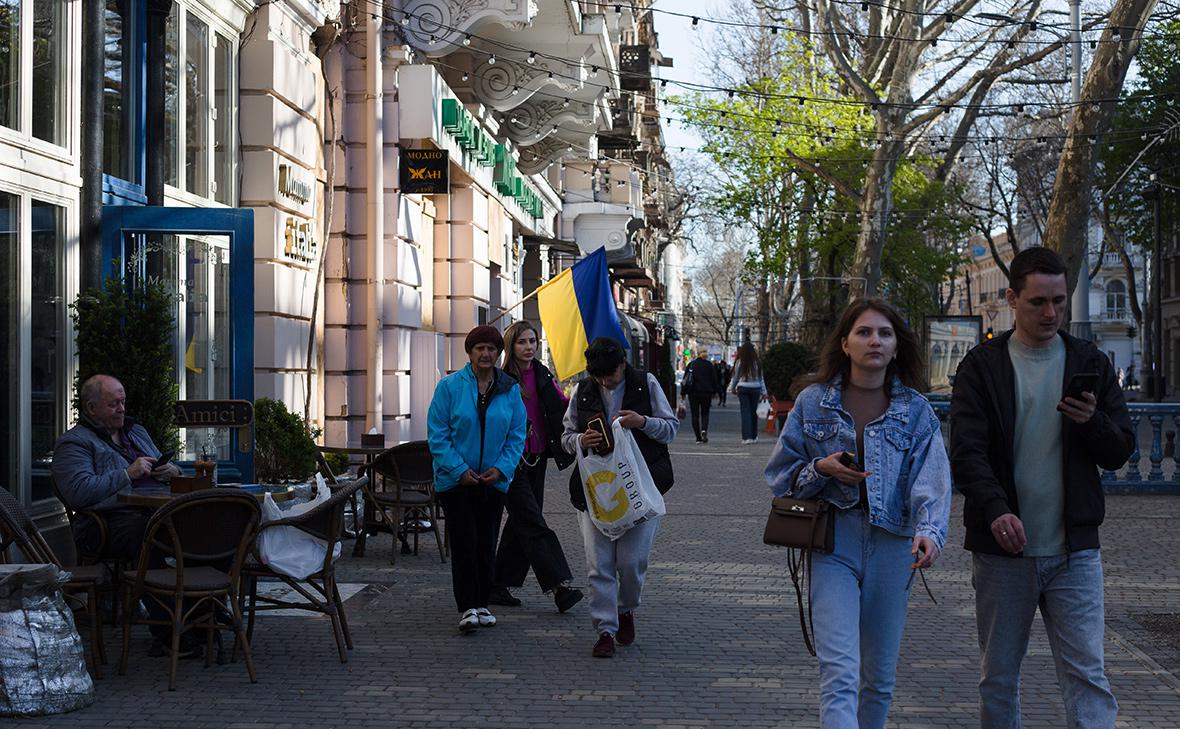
<point>799,566</point>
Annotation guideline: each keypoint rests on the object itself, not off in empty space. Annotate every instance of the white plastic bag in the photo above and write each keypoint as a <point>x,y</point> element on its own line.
<point>763,410</point>
<point>619,489</point>
<point>288,550</point>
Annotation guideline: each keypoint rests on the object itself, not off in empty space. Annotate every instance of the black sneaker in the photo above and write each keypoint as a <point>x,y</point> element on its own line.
<point>566,597</point>
<point>501,596</point>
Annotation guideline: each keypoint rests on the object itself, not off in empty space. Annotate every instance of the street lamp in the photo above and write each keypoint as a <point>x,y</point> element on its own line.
<point>1152,195</point>
<point>1079,320</point>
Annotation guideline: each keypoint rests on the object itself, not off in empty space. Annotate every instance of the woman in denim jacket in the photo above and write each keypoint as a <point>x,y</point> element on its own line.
<point>891,517</point>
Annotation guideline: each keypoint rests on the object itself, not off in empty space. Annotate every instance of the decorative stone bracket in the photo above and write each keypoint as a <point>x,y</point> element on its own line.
<point>439,27</point>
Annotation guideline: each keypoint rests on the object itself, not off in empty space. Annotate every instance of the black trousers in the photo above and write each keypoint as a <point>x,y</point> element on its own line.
<point>698,405</point>
<point>722,395</point>
<point>473,519</point>
<point>527,540</point>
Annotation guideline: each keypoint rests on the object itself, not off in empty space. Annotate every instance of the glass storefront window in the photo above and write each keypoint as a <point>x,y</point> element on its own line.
<point>223,120</point>
<point>49,32</point>
<point>10,63</point>
<point>172,97</point>
<point>118,88</point>
<point>196,106</point>
<point>9,303</point>
<point>46,352</point>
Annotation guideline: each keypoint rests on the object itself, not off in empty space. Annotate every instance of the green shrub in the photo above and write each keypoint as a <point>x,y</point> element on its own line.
<point>129,333</point>
<point>284,446</point>
<point>338,462</point>
<point>782,364</point>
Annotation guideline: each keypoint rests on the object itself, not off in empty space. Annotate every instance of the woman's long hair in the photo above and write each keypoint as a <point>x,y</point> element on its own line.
<point>907,366</point>
<point>748,363</point>
<point>514,332</point>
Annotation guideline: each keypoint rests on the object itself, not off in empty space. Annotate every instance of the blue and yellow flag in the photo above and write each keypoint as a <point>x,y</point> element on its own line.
<point>577,306</point>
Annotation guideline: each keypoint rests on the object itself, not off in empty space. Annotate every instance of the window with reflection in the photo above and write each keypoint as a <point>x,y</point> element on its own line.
<point>48,325</point>
<point>1116,299</point>
<point>196,106</point>
<point>10,63</point>
<point>204,336</point>
<point>172,97</point>
<point>9,302</point>
<point>224,88</point>
<point>118,91</point>
<point>49,69</point>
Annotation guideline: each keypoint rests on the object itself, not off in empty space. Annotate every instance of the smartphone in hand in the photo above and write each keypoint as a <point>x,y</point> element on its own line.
<point>164,458</point>
<point>1079,383</point>
<point>849,461</point>
<point>599,425</point>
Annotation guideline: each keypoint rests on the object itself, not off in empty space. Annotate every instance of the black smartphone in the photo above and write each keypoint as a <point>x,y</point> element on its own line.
<point>599,425</point>
<point>164,458</point>
<point>1079,383</point>
<point>849,461</point>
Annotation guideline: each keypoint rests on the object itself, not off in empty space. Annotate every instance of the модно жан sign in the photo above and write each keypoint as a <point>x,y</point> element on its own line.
<point>424,171</point>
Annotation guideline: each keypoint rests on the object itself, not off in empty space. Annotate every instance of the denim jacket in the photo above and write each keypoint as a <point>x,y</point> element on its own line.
<point>909,482</point>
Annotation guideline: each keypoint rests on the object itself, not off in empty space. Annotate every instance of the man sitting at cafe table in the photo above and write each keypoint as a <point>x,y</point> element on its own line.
<point>105,455</point>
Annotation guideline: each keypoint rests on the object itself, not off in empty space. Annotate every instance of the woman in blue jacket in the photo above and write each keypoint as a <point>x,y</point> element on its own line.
<point>477,427</point>
<point>891,506</point>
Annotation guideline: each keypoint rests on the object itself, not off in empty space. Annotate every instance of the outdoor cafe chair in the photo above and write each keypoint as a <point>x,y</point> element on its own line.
<point>114,565</point>
<point>318,590</point>
<point>85,582</point>
<point>402,488</point>
<point>201,531</point>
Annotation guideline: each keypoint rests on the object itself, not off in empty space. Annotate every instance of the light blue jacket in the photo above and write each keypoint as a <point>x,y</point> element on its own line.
<point>454,432</point>
<point>909,483</point>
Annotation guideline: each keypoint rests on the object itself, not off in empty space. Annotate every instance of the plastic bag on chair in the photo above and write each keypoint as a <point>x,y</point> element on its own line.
<point>620,492</point>
<point>286,549</point>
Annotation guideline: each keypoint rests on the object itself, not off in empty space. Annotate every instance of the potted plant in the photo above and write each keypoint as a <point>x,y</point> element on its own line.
<point>128,332</point>
<point>782,366</point>
<point>284,445</point>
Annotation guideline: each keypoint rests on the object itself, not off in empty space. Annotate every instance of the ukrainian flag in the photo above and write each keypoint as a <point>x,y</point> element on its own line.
<point>577,306</point>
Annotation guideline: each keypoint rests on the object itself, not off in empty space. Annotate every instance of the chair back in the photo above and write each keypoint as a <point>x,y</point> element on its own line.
<point>408,465</point>
<point>17,528</point>
<point>326,521</point>
<point>204,527</point>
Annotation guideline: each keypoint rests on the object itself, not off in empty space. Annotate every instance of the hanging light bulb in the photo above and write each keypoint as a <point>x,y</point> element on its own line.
<point>466,75</point>
<point>532,57</point>
<point>696,22</point>
<point>492,60</point>
<point>594,72</point>
<point>467,40</point>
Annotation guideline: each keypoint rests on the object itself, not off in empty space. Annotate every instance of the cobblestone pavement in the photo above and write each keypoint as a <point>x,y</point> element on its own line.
<point>718,636</point>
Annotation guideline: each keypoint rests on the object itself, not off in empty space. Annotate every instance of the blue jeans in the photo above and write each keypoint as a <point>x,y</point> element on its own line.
<point>858,597</point>
<point>617,570</point>
<point>1068,591</point>
<point>748,398</point>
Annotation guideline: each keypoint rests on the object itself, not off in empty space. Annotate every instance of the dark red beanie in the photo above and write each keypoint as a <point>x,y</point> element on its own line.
<point>484,334</point>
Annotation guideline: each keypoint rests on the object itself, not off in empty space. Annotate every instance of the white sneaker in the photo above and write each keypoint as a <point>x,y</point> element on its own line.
<point>470,621</point>
<point>485,617</point>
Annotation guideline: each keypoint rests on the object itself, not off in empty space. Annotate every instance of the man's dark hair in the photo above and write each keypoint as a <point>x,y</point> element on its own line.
<point>1037,259</point>
<point>603,356</point>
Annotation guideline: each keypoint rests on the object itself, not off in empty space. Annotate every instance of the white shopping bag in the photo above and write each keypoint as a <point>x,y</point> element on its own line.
<point>763,410</point>
<point>619,489</point>
<point>288,550</point>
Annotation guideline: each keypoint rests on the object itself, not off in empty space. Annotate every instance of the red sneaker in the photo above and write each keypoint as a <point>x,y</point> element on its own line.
<point>605,647</point>
<point>626,634</point>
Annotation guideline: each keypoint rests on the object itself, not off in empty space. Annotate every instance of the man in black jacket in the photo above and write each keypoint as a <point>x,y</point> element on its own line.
<point>700,385</point>
<point>1027,458</point>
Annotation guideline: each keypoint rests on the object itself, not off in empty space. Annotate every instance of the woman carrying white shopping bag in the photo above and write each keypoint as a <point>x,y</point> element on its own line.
<point>617,392</point>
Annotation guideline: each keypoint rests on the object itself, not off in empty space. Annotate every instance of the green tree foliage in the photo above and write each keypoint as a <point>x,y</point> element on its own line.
<point>284,445</point>
<point>128,332</point>
<point>1145,138</point>
<point>783,364</point>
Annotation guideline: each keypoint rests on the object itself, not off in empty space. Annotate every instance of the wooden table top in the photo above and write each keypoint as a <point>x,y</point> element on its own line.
<point>156,500</point>
<point>353,450</point>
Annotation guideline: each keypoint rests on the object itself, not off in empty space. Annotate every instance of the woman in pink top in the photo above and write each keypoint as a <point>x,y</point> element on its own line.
<point>527,541</point>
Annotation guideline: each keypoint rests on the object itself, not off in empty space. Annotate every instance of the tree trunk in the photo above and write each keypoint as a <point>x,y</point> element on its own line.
<point>1068,223</point>
<point>875,209</point>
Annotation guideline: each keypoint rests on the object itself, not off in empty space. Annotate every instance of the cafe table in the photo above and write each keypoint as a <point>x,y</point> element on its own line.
<point>369,518</point>
<point>157,499</point>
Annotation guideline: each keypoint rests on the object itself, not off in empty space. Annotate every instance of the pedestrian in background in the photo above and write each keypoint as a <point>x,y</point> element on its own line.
<point>618,568</point>
<point>750,388</point>
<point>1026,455</point>
<point>891,505</point>
<point>476,427</point>
<point>526,539</point>
<point>700,385</point>
<point>724,375</point>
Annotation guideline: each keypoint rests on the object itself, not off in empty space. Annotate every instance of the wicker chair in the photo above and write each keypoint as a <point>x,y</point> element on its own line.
<point>201,531</point>
<point>85,583</point>
<point>402,487</point>
<point>319,591</point>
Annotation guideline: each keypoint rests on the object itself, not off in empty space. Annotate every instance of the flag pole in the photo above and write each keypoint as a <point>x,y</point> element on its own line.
<point>510,308</point>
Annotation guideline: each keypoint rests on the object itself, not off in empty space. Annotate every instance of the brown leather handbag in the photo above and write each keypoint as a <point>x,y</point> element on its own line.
<point>803,525</point>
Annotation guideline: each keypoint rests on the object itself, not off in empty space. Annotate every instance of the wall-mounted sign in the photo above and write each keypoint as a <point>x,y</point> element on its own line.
<point>213,413</point>
<point>294,184</point>
<point>424,171</point>
<point>299,241</point>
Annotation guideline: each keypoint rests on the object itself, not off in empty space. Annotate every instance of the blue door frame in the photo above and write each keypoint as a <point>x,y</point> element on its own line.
<point>119,222</point>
